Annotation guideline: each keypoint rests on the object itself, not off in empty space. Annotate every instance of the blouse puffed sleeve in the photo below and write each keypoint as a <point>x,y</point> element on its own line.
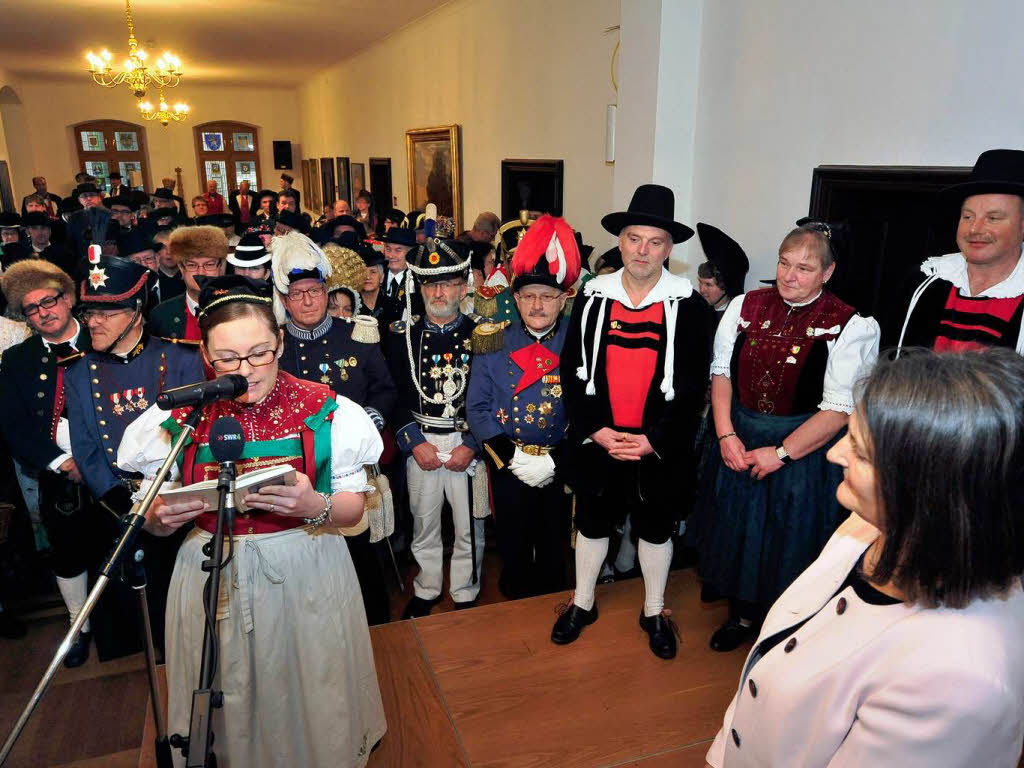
<point>144,447</point>
<point>850,356</point>
<point>725,337</point>
<point>355,442</point>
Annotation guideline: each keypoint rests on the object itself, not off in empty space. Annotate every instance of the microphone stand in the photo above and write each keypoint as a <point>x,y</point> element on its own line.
<point>133,523</point>
<point>205,698</point>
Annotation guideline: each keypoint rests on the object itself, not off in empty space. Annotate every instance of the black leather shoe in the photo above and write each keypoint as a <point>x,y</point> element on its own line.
<point>10,626</point>
<point>661,635</point>
<point>708,594</point>
<point>571,623</point>
<point>731,636</point>
<point>78,654</point>
<point>418,607</point>
<point>464,605</point>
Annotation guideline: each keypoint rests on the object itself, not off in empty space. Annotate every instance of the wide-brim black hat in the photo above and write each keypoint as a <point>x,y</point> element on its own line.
<point>36,219</point>
<point>291,219</point>
<point>8,220</point>
<point>250,252</point>
<point>114,283</point>
<point>400,236</point>
<point>87,188</point>
<point>122,200</point>
<point>997,171</point>
<point>395,215</point>
<point>348,221</point>
<point>265,193</point>
<point>134,241</point>
<point>371,256</point>
<point>654,206</point>
<point>726,255</point>
<point>163,194</point>
<point>443,260</point>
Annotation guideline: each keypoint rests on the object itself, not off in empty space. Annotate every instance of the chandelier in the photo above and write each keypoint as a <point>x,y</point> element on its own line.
<point>164,112</point>
<point>136,74</point>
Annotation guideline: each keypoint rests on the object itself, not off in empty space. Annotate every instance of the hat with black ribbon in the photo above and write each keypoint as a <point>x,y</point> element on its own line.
<point>250,252</point>
<point>219,290</point>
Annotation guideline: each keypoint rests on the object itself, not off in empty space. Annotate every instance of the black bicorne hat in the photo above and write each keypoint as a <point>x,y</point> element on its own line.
<point>726,255</point>
<point>224,289</point>
<point>654,206</point>
<point>114,283</point>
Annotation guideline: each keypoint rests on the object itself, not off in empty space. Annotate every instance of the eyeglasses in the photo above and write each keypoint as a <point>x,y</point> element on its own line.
<point>255,359</point>
<point>101,315</point>
<point>48,303</point>
<point>206,267</point>
<point>315,292</point>
<point>530,298</point>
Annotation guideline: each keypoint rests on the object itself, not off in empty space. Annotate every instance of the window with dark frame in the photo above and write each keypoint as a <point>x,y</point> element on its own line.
<point>105,146</point>
<point>228,153</point>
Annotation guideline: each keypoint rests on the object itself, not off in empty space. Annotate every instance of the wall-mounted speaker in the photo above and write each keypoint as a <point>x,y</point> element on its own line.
<point>283,155</point>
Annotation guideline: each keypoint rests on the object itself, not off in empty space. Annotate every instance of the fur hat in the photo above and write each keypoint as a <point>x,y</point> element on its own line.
<point>295,257</point>
<point>27,275</point>
<point>203,242</point>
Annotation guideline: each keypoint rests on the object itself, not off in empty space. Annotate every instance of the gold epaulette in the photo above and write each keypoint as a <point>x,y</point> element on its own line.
<point>489,337</point>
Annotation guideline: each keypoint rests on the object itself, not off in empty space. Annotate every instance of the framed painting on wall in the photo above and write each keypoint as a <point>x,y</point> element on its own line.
<point>380,183</point>
<point>327,177</point>
<point>357,180</point>
<point>344,190</point>
<point>531,185</point>
<point>435,171</point>
<point>305,176</point>
<point>314,197</point>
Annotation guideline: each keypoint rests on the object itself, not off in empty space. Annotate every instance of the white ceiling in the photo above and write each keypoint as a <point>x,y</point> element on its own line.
<point>263,41</point>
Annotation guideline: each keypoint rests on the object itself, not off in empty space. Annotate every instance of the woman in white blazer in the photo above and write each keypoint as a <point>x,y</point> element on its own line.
<point>903,643</point>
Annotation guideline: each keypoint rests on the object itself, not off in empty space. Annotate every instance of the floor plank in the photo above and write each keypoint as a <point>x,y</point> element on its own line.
<point>599,701</point>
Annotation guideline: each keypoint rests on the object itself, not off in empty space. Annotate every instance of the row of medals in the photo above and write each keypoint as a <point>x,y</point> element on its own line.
<point>342,364</point>
<point>140,404</point>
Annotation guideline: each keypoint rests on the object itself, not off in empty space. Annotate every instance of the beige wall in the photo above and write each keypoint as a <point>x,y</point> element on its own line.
<point>524,79</point>
<point>53,107</point>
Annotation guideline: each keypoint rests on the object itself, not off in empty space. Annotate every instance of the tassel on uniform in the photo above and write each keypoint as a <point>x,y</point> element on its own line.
<point>481,492</point>
<point>365,330</point>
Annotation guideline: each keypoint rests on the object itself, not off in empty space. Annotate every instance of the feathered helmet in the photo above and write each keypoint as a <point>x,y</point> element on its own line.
<point>347,272</point>
<point>547,255</point>
<point>296,257</point>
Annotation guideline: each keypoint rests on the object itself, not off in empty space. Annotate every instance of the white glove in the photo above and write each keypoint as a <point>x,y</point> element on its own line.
<point>535,471</point>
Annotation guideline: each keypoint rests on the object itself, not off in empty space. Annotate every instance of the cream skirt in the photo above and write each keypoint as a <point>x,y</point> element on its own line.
<point>296,666</point>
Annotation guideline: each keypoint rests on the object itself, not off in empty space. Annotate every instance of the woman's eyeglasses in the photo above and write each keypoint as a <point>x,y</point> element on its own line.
<point>255,359</point>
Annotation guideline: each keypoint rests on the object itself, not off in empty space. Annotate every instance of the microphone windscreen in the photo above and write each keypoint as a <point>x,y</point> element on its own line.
<point>226,439</point>
<point>238,383</point>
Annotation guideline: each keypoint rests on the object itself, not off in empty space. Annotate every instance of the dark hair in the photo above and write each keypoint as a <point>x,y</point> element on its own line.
<point>945,433</point>
<point>708,271</point>
<point>235,310</point>
<point>818,236</point>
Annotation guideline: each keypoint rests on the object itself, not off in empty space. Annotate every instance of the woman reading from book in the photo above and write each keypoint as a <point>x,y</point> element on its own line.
<point>296,666</point>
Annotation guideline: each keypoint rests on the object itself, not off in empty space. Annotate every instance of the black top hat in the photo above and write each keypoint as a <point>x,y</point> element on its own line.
<point>122,200</point>
<point>164,194</point>
<point>114,175</point>
<point>652,205</point>
<point>250,252</point>
<point>997,171</point>
<point>400,236</point>
<point>134,241</point>
<point>371,256</point>
<point>114,283</point>
<point>215,291</point>
<point>726,255</point>
<point>443,261</point>
<point>8,220</point>
<point>87,188</point>
<point>36,219</point>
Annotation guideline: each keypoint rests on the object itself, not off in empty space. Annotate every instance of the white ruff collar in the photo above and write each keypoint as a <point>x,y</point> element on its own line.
<point>953,267</point>
<point>610,286</point>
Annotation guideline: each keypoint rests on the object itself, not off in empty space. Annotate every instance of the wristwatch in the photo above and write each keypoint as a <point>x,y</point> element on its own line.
<point>783,454</point>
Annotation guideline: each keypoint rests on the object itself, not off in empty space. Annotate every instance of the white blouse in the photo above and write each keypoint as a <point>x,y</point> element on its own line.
<point>850,355</point>
<point>355,442</point>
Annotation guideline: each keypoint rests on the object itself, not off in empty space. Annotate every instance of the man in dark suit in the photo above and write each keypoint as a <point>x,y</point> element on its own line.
<point>38,227</point>
<point>117,189</point>
<point>39,182</point>
<point>87,226</point>
<point>166,191</point>
<point>286,186</point>
<point>243,204</point>
<point>36,430</point>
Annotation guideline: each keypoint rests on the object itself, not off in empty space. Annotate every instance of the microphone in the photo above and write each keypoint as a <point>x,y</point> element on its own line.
<point>226,439</point>
<point>202,392</point>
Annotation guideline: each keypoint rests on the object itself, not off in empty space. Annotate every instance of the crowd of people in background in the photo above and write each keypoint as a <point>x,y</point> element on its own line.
<point>597,415</point>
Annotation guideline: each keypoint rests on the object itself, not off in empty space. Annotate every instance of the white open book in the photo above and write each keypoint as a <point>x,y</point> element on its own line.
<point>246,483</point>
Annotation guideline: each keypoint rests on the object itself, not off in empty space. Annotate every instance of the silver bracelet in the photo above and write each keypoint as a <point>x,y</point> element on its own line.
<point>324,516</point>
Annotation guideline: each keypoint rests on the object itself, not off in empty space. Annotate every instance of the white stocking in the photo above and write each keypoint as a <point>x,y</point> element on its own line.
<point>590,555</point>
<point>655,561</point>
<point>75,591</point>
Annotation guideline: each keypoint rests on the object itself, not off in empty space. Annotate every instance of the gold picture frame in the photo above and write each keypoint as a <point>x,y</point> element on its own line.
<point>435,171</point>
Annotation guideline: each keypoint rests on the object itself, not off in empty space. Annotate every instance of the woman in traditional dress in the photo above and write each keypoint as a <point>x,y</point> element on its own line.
<point>784,365</point>
<point>295,661</point>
